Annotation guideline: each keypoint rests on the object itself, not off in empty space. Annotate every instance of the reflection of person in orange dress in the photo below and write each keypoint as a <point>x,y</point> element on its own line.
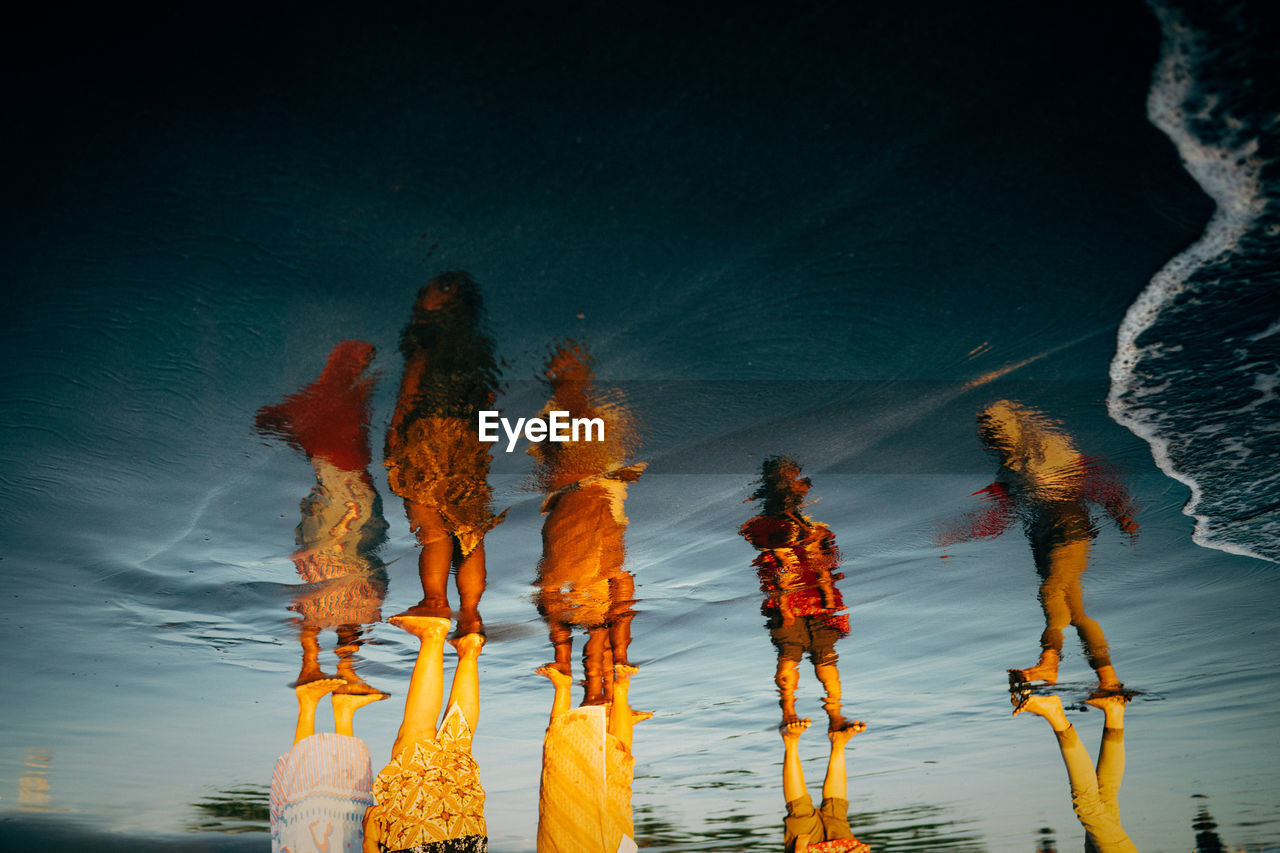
<point>1094,790</point>
<point>580,581</point>
<point>796,566</point>
<point>321,787</point>
<point>1045,481</point>
<point>434,456</point>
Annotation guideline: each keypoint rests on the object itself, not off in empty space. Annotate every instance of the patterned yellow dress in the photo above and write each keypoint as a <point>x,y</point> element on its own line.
<point>429,798</point>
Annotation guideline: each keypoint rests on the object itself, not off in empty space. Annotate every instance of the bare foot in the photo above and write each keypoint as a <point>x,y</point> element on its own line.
<point>554,675</point>
<point>422,627</point>
<point>1112,705</point>
<point>791,730</point>
<point>853,727</point>
<point>1049,707</point>
<point>468,644</point>
<point>437,607</point>
<point>622,672</point>
<point>314,691</point>
<point>1046,669</point>
<point>351,701</point>
<point>640,716</point>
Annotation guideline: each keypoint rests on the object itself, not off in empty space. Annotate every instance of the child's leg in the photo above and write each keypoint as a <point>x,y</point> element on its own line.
<point>1111,757</point>
<point>620,717</point>
<point>471,583</point>
<point>593,657</point>
<point>309,696</point>
<point>836,784</point>
<point>434,559</point>
<point>465,692</point>
<point>792,773</point>
<point>426,685</point>
<point>787,677</point>
<point>345,706</point>
<point>561,682</point>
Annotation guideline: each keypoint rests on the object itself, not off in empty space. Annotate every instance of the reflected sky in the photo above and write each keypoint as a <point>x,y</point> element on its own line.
<point>834,234</point>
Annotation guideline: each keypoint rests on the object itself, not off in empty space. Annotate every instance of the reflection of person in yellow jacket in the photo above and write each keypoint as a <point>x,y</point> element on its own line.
<point>1094,791</point>
<point>1046,482</point>
<point>580,580</point>
<point>434,456</point>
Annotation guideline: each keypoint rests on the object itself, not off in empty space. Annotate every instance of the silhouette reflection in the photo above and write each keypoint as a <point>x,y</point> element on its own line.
<point>1045,481</point>
<point>434,457</point>
<point>429,797</point>
<point>322,786</point>
<point>584,805</point>
<point>802,606</point>
<point>1094,790</point>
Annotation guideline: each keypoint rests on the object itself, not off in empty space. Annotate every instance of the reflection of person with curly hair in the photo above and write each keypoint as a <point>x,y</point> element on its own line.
<point>1045,481</point>
<point>324,783</point>
<point>580,580</point>
<point>434,457</point>
<point>796,563</point>
<point>1094,791</point>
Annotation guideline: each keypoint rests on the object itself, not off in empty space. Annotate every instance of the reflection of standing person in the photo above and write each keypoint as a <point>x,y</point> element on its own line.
<point>1045,481</point>
<point>434,456</point>
<point>321,787</point>
<point>826,828</point>
<point>580,580</point>
<point>584,800</point>
<point>342,525</point>
<point>796,566</point>
<point>1094,791</point>
<point>428,798</point>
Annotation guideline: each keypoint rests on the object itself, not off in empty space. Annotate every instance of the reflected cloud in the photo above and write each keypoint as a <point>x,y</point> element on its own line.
<point>584,803</point>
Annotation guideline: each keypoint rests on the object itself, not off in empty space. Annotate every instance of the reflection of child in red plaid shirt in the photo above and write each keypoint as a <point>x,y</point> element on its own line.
<point>796,566</point>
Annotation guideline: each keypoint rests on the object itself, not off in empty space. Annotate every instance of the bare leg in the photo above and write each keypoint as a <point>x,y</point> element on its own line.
<point>1048,707</point>
<point>622,593</point>
<point>345,706</point>
<point>349,640</point>
<point>465,692</point>
<point>309,696</point>
<point>792,773</point>
<point>787,678</point>
<point>1111,756</point>
<point>426,685</point>
<point>836,784</point>
<point>829,675</point>
<point>434,560</point>
<point>620,717</point>
<point>593,655</point>
<point>562,643</point>
<point>471,584</point>
<point>561,682</point>
<point>309,635</point>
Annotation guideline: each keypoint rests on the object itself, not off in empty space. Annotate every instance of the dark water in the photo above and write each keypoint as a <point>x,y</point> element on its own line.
<point>830,233</point>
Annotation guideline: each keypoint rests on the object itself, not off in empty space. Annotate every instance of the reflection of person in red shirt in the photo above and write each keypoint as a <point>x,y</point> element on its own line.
<point>796,566</point>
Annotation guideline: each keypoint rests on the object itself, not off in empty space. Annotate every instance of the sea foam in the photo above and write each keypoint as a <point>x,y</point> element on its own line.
<point>1197,359</point>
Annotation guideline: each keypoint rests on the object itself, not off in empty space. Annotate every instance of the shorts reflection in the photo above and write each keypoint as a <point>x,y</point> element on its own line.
<point>1045,481</point>
<point>796,566</point>
<point>1094,790</point>
<point>322,786</point>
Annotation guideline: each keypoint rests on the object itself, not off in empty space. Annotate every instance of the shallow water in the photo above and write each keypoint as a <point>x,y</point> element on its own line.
<point>841,252</point>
